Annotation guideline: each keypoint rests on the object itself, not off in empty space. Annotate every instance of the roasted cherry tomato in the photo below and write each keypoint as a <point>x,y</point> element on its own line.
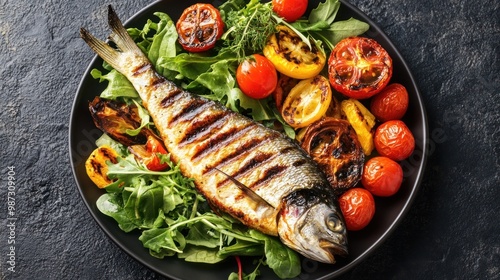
<point>148,153</point>
<point>359,67</point>
<point>199,27</point>
<point>307,102</point>
<point>291,56</point>
<point>391,103</point>
<point>382,176</point>
<point>290,10</point>
<point>257,77</point>
<point>394,140</point>
<point>334,145</point>
<point>358,207</point>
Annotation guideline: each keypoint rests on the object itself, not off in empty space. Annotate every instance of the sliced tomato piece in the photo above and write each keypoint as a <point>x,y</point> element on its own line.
<point>359,67</point>
<point>148,153</point>
<point>291,56</point>
<point>307,102</point>
<point>199,27</point>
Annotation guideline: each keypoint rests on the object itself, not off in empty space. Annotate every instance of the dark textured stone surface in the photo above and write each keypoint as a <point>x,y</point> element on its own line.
<point>451,232</point>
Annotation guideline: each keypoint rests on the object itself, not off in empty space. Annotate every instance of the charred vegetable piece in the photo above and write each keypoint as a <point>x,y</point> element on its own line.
<point>199,27</point>
<point>284,86</point>
<point>148,153</point>
<point>362,121</point>
<point>116,118</point>
<point>359,67</point>
<point>333,144</point>
<point>291,56</point>
<point>307,102</point>
<point>97,167</point>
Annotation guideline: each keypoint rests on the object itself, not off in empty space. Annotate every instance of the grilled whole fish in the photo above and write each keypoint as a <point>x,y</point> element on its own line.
<point>253,173</point>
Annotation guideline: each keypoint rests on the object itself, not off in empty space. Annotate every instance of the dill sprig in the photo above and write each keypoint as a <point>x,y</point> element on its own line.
<point>249,28</point>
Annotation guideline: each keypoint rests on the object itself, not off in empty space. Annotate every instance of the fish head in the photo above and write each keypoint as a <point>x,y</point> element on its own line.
<point>311,223</point>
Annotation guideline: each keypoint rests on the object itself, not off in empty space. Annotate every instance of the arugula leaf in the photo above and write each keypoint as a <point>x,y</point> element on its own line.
<point>343,29</point>
<point>200,255</point>
<point>110,204</point>
<point>163,242</point>
<point>321,24</point>
<point>325,12</point>
<point>282,260</point>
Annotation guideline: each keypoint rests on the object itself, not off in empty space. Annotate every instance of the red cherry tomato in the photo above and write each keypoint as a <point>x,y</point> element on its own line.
<point>290,10</point>
<point>257,77</point>
<point>382,176</point>
<point>358,207</point>
<point>359,67</point>
<point>393,139</point>
<point>148,153</point>
<point>199,27</point>
<point>391,103</point>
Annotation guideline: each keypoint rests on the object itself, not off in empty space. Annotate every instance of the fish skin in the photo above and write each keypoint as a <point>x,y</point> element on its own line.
<point>204,137</point>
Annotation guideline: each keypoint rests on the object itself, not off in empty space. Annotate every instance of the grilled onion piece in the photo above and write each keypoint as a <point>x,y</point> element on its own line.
<point>334,145</point>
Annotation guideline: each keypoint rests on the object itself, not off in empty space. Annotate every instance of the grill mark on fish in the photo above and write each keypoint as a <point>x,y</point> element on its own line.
<point>220,140</point>
<point>243,149</point>
<point>141,69</point>
<point>299,163</point>
<point>157,81</point>
<point>171,98</point>
<point>188,111</point>
<point>269,174</point>
<point>255,162</point>
<point>202,127</point>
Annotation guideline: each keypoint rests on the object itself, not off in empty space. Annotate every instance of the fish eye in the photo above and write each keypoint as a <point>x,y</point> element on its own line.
<point>334,223</point>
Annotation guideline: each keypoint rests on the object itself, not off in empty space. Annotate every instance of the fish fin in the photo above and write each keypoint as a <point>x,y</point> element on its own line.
<point>105,51</point>
<point>248,191</point>
<point>119,33</point>
<point>119,36</point>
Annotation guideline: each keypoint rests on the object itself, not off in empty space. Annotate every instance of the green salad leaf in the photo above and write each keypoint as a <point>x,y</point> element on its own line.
<point>322,26</point>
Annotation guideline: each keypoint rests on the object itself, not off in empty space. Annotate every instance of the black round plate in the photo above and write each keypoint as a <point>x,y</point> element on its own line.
<point>389,212</point>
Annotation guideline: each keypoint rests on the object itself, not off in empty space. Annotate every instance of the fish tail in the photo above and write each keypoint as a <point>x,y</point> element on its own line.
<point>119,36</point>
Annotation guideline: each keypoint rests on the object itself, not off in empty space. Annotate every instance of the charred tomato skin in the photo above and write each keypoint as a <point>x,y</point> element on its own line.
<point>359,67</point>
<point>199,27</point>
<point>358,207</point>
<point>382,176</point>
<point>393,139</point>
<point>290,10</point>
<point>391,103</point>
<point>257,77</point>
